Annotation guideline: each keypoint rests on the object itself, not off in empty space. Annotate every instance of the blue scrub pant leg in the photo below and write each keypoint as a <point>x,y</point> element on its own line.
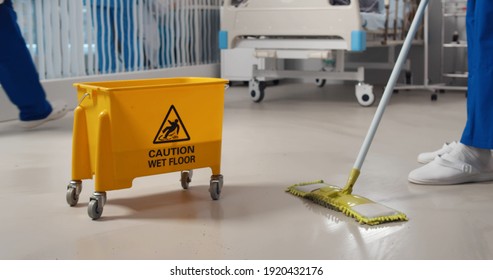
<point>18,74</point>
<point>478,131</point>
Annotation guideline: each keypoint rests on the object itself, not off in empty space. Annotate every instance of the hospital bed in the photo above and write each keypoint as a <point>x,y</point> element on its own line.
<point>313,29</point>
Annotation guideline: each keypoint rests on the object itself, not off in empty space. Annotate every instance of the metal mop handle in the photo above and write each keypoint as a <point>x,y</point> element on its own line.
<point>386,95</point>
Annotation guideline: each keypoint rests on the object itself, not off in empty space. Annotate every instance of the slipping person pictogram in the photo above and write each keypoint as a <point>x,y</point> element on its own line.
<point>172,128</point>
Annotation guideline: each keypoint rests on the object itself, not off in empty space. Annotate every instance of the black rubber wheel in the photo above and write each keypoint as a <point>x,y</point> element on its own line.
<point>92,210</point>
<point>258,95</point>
<point>71,196</point>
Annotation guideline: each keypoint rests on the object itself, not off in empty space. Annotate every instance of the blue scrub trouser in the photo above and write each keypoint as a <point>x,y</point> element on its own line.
<point>18,74</point>
<point>478,131</point>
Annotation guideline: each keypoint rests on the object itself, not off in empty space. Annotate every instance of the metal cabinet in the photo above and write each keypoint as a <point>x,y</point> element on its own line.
<point>454,45</point>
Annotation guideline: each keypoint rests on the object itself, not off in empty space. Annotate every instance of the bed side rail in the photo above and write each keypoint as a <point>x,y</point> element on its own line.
<point>312,19</point>
<point>405,9</point>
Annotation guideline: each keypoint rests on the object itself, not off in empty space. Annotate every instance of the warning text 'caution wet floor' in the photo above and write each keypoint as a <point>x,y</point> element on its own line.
<point>172,130</point>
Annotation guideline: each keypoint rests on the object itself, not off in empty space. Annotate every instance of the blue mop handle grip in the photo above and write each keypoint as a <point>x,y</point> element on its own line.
<point>390,85</point>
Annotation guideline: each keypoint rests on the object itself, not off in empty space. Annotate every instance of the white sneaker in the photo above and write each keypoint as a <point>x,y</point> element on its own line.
<point>463,164</point>
<point>59,109</point>
<point>429,156</point>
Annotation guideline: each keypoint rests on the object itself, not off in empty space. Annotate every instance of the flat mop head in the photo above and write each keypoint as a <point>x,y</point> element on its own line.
<point>362,209</point>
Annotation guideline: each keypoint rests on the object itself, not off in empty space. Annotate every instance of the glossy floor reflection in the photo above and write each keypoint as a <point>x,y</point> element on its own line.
<point>298,133</point>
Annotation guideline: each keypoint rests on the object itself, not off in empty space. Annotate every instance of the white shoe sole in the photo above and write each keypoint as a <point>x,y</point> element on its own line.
<point>55,115</point>
<point>471,178</point>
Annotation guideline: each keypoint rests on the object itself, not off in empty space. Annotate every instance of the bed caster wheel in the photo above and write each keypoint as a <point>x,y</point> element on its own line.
<point>366,99</point>
<point>364,94</point>
<point>186,178</point>
<point>409,78</point>
<point>73,191</point>
<point>320,82</point>
<point>257,90</point>
<point>216,186</point>
<point>96,204</point>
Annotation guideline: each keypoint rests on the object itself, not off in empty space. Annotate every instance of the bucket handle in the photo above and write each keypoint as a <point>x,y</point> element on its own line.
<point>83,97</point>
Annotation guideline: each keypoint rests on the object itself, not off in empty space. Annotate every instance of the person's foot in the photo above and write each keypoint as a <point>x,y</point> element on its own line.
<point>59,109</point>
<point>463,164</point>
<point>429,156</point>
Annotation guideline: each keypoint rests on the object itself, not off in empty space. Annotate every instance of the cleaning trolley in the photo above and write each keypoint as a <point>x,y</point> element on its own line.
<point>134,128</point>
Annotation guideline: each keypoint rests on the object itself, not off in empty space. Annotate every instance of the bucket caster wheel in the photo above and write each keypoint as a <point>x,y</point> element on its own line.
<point>186,178</point>
<point>216,186</point>
<point>96,204</point>
<point>73,191</point>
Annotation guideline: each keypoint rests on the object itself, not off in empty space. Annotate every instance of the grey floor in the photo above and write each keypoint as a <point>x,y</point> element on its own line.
<point>298,133</point>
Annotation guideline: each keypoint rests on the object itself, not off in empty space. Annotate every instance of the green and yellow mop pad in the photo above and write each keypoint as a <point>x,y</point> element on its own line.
<point>342,199</point>
<point>362,209</point>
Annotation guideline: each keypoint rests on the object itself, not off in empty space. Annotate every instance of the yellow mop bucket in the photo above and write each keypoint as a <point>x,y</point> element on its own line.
<point>134,128</point>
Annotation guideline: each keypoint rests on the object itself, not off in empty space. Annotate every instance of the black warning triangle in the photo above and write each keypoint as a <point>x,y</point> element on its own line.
<point>172,129</point>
